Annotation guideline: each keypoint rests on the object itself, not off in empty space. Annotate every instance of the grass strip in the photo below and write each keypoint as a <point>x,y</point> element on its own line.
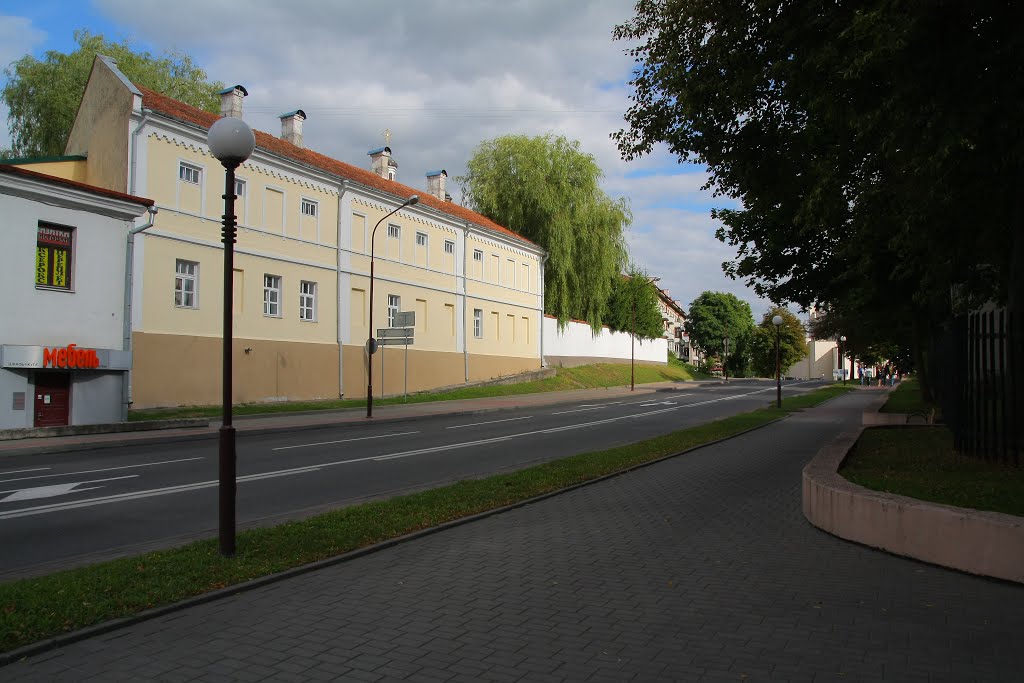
<point>43,607</point>
<point>920,462</point>
<point>906,398</point>
<point>567,379</point>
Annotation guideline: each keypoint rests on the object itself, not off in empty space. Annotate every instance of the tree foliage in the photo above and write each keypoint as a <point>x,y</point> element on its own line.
<point>43,96</point>
<point>712,317</point>
<point>546,189</point>
<point>792,343</point>
<point>634,300</point>
<point>874,147</point>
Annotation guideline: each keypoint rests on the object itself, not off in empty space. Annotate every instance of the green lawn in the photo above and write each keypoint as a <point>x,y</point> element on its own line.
<point>39,608</point>
<point>583,377</point>
<point>920,462</point>
<point>906,398</point>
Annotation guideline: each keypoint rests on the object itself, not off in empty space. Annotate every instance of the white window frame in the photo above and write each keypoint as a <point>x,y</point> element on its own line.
<point>478,323</point>
<point>309,207</point>
<point>240,187</point>
<point>478,255</point>
<point>180,278</point>
<point>449,247</point>
<point>271,295</point>
<point>394,231</point>
<point>418,236</point>
<point>307,301</point>
<point>184,166</point>
<point>394,306</point>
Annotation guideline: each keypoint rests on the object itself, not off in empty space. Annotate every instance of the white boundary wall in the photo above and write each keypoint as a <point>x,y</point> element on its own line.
<point>577,341</point>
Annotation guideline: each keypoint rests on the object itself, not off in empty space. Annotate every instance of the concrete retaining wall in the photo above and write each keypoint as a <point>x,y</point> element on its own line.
<point>578,342</point>
<point>984,543</point>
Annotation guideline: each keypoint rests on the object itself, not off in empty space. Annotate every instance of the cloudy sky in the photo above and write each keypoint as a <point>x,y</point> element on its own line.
<point>440,75</point>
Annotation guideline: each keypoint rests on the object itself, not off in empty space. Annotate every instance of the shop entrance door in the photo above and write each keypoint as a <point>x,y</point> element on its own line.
<point>52,399</point>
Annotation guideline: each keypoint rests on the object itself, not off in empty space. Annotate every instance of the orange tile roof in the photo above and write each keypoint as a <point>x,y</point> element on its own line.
<point>183,112</point>
<point>15,170</point>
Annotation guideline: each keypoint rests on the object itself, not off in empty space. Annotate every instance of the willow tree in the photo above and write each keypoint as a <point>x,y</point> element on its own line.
<point>43,95</point>
<point>547,190</point>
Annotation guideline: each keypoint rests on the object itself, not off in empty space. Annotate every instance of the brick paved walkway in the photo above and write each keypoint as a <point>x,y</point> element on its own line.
<point>699,568</point>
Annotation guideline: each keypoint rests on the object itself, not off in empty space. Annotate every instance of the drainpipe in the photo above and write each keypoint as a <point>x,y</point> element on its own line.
<point>337,308</point>
<point>135,148</point>
<point>465,295</point>
<point>129,278</point>
<point>543,263</point>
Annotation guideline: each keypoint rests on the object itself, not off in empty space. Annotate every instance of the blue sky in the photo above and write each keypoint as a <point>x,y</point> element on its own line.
<point>441,75</point>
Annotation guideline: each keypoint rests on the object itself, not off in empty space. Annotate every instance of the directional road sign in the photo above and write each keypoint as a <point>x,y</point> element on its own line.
<point>395,341</point>
<point>405,319</point>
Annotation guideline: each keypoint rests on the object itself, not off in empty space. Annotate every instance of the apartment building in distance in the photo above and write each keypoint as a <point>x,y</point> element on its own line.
<point>302,261</point>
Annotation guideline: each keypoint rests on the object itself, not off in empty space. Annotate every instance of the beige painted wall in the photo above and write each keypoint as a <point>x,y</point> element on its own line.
<point>69,170</point>
<point>101,129</point>
<point>427,370</point>
<point>174,369</point>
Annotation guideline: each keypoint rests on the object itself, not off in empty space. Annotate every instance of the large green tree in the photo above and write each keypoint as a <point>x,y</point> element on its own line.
<point>633,305</point>
<point>874,146</point>
<point>43,95</point>
<point>792,338</point>
<point>713,316</point>
<point>547,189</point>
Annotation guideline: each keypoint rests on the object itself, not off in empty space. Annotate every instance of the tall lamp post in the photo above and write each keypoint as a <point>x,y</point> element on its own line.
<point>777,321</point>
<point>371,343</point>
<point>842,366</point>
<point>231,141</point>
<point>632,341</point>
<point>725,358</point>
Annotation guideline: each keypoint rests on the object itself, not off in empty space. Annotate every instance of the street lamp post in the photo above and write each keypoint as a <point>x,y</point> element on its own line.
<point>371,343</point>
<point>842,367</point>
<point>777,321</point>
<point>725,358</point>
<point>231,141</point>
<point>632,341</point>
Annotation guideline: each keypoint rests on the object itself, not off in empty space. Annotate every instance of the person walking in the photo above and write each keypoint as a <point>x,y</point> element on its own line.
<point>860,373</point>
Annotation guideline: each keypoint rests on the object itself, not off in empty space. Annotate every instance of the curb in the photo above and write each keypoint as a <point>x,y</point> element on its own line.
<point>116,624</point>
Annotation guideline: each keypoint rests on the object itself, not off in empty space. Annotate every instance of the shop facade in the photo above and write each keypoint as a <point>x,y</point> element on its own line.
<point>63,356</point>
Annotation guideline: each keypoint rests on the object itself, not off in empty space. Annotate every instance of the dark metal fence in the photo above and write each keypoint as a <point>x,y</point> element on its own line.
<point>981,366</point>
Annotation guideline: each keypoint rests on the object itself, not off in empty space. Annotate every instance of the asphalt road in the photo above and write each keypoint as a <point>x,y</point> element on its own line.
<point>67,509</point>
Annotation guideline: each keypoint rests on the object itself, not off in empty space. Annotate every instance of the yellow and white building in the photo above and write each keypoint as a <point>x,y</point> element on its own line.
<point>302,261</point>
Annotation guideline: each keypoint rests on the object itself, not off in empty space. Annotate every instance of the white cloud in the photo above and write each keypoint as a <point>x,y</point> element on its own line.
<point>443,76</point>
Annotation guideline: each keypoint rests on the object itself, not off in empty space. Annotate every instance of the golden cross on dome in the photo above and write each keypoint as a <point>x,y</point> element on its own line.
<point>387,136</point>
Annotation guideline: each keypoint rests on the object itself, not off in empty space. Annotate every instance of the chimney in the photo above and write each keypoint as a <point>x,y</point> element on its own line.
<point>435,184</point>
<point>382,164</point>
<point>231,101</point>
<point>291,126</point>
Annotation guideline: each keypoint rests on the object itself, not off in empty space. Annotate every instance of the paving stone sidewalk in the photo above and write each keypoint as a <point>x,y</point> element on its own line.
<point>698,568</point>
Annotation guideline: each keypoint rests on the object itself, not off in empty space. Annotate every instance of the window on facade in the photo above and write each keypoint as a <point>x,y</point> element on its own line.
<point>394,232</point>
<point>421,239</point>
<point>239,187</point>
<point>307,301</point>
<point>308,207</point>
<point>189,173</point>
<point>478,323</point>
<point>449,247</point>
<point>186,284</point>
<point>53,256</point>
<point>272,295</point>
<point>394,305</point>
<point>478,255</point>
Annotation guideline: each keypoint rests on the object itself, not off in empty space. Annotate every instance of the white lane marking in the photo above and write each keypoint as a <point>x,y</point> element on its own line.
<point>43,509</point>
<point>328,443</point>
<point>34,469</point>
<point>577,410</point>
<point>105,469</point>
<point>132,495</point>
<point>658,403</point>
<point>55,489</point>
<point>491,422</point>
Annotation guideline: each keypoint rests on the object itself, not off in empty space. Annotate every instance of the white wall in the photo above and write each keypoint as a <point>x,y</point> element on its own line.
<point>821,359</point>
<point>578,341</point>
<point>91,315</point>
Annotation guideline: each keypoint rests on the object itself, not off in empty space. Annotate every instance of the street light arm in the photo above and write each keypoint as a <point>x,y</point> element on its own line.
<point>373,234</point>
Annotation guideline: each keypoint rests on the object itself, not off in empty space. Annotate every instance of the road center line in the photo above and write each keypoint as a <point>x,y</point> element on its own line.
<point>577,410</point>
<point>34,469</point>
<point>105,469</point>
<point>491,422</point>
<point>328,443</point>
